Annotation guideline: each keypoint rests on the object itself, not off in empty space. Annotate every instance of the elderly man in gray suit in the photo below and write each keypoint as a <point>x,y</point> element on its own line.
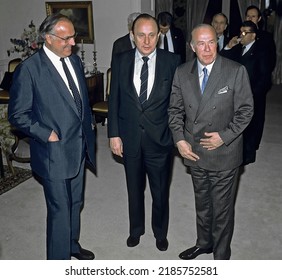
<point>211,104</point>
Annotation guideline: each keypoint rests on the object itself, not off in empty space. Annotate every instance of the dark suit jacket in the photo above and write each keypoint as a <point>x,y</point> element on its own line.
<point>39,103</point>
<point>179,43</point>
<point>256,61</point>
<point>126,115</point>
<point>122,44</point>
<point>226,107</point>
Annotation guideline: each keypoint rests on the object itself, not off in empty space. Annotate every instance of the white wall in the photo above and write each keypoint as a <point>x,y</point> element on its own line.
<point>110,22</point>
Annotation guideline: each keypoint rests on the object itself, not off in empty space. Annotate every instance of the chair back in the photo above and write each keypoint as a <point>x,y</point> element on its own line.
<point>13,64</point>
<point>108,86</point>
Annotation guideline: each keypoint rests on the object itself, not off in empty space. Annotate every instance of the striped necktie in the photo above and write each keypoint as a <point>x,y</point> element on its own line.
<point>144,81</point>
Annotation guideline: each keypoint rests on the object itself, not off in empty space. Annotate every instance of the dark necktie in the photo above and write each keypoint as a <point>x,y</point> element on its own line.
<point>144,81</point>
<point>73,87</point>
<point>243,49</point>
<point>205,79</point>
<point>165,43</point>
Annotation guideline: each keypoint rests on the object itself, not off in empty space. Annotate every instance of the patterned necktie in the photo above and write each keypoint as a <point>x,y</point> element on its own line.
<point>205,79</point>
<point>165,43</point>
<point>144,81</point>
<point>73,87</point>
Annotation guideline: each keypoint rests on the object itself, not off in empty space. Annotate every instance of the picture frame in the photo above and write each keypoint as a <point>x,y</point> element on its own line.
<point>80,13</point>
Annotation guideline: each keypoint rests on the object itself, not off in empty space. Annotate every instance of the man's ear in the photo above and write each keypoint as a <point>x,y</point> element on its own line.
<point>131,35</point>
<point>192,47</point>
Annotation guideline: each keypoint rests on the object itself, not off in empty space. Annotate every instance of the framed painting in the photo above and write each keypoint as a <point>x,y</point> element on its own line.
<point>80,13</point>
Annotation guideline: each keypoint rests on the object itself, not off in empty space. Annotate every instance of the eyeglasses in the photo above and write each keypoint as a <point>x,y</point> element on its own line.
<point>244,33</point>
<point>66,39</point>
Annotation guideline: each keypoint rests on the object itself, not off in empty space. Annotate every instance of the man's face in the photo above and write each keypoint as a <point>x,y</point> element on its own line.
<point>204,44</point>
<point>164,29</point>
<point>252,15</point>
<point>61,40</point>
<point>219,24</point>
<point>246,35</point>
<point>146,36</point>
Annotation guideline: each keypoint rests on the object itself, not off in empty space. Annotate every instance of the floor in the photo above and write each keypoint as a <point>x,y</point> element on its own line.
<point>258,226</point>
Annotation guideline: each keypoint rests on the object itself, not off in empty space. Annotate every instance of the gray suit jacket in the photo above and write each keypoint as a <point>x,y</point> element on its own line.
<point>226,107</point>
<point>39,103</point>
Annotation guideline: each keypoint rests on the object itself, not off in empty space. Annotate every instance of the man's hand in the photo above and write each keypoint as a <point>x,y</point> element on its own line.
<point>116,146</point>
<point>185,150</point>
<point>212,141</point>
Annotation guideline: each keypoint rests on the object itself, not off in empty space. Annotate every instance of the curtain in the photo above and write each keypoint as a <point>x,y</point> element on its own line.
<point>163,6</point>
<point>244,4</point>
<point>277,73</point>
<point>195,11</point>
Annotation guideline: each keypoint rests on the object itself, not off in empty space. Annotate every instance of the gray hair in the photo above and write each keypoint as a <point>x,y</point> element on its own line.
<point>131,19</point>
<point>199,26</point>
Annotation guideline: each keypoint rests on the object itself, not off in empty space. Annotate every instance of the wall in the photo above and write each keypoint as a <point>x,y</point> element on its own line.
<point>110,22</point>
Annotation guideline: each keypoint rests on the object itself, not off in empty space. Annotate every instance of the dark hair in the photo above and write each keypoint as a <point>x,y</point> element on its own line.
<point>145,16</point>
<point>165,18</point>
<point>251,25</point>
<point>221,14</point>
<point>49,22</point>
<point>253,7</point>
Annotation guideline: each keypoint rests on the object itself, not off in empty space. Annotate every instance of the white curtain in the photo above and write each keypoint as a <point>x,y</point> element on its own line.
<point>195,11</point>
<point>277,73</point>
<point>163,6</point>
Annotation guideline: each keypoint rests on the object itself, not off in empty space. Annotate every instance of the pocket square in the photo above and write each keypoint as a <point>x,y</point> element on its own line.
<point>223,90</point>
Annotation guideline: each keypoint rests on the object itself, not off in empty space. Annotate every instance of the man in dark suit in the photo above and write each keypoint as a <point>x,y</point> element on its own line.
<point>138,126</point>
<point>125,42</point>
<point>171,38</point>
<point>220,24</point>
<point>55,114</point>
<point>211,104</point>
<point>256,60</point>
<point>264,38</point>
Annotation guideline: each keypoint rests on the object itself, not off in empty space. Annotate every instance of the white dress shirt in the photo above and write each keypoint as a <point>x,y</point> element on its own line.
<point>151,71</point>
<point>59,66</point>
<point>169,41</point>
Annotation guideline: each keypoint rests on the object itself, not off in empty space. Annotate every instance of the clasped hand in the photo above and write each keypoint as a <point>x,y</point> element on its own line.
<point>211,142</point>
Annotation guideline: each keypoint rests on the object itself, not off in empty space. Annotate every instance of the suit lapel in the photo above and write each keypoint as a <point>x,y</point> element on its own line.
<point>56,77</point>
<point>214,76</point>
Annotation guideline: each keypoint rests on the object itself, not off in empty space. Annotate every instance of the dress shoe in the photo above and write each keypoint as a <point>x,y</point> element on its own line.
<point>194,252</point>
<point>83,254</point>
<point>162,244</point>
<point>132,241</point>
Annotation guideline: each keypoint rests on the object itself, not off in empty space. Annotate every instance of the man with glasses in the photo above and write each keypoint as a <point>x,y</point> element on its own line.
<point>49,102</point>
<point>256,60</point>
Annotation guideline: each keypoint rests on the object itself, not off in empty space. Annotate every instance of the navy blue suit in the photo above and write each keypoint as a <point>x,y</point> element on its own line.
<point>40,103</point>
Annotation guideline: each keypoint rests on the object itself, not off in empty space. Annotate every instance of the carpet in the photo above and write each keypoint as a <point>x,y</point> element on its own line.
<point>10,181</point>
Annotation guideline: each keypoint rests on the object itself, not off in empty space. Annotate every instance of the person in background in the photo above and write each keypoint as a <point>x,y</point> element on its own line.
<point>171,38</point>
<point>138,126</point>
<point>220,24</point>
<point>247,51</point>
<point>264,38</point>
<point>211,104</point>
<point>125,42</point>
<point>52,108</point>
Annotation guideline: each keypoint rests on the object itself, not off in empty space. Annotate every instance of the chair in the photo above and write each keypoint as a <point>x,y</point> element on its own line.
<point>13,64</point>
<point>100,109</point>
<point>10,137</point>
<point>7,80</point>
